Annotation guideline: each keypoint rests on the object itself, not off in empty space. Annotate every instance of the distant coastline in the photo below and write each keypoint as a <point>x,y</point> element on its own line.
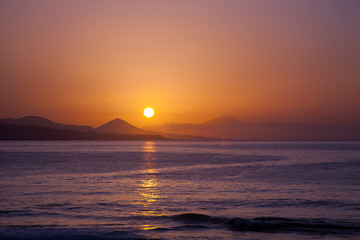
<point>24,132</point>
<point>223,128</point>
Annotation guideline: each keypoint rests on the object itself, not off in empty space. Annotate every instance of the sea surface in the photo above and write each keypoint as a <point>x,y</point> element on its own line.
<point>179,190</point>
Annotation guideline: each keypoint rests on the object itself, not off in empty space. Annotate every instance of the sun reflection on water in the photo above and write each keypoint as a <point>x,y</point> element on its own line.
<point>149,147</point>
<point>148,187</point>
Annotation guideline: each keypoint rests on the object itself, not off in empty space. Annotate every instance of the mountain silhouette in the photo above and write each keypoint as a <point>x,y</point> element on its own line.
<point>226,127</point>
<point>43,122</point>
<point>39,128</point>
<point>120,126</point>
<point>26,132</point>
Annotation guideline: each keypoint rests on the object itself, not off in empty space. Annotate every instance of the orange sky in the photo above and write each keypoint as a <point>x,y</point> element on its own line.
<point>91,61</point>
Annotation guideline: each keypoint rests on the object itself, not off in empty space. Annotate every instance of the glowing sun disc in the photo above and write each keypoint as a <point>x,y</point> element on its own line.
<point>149,112</point>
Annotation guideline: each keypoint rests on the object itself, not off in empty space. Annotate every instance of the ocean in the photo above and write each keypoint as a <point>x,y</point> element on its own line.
<point>179,190</point>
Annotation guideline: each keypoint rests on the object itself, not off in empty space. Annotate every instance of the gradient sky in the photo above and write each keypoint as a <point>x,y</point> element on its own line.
<point>87,62</point>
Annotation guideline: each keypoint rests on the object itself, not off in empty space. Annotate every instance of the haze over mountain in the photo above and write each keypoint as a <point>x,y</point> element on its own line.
<point>223,120</point>
<point>231,128</point>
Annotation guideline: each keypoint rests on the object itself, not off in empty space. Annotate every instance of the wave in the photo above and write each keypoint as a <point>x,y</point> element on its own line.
<point>184,223</point>
<point>270,224</point>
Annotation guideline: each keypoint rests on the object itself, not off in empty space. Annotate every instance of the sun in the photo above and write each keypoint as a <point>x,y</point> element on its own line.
<point>149,112</point>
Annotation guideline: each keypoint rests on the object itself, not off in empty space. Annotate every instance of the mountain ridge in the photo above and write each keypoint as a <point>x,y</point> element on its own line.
<point>27,132</point>
<point>109,130</point>
<point>223,119</point>
<point>225,127</point>
<point>120,126</point>
<point>41,121</point>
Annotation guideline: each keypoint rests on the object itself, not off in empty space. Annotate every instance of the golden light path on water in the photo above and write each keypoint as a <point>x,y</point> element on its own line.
<point>148,187</point>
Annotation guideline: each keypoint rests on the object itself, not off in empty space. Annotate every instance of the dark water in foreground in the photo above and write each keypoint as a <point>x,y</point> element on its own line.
<point>179,190</point>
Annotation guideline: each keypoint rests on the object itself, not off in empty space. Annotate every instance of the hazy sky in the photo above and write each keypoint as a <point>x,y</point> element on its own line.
<point>91,61</point>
